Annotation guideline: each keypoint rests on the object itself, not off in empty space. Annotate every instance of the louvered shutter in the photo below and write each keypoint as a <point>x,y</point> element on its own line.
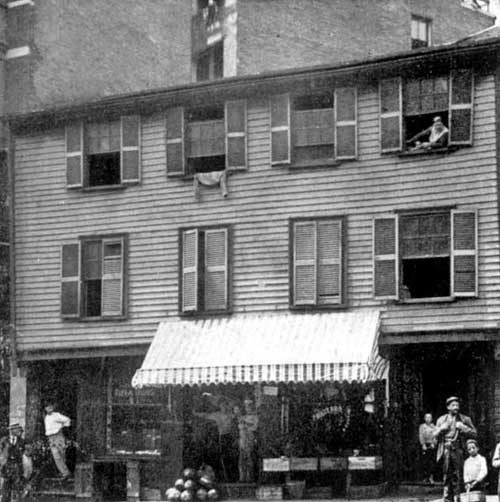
<point>280,129</point>
<point>464,253</point>
<point>189,293</point>
<point>329,279</point>
<point>216,268</point>
<point>346,141</point>
<point>112,277</point>
<point>304,263</point>
<point>391,115</point>
<point>74,155</point>
<point>70,280</point>
<point>461,97</point>
<point>236,134</point>
<point>130,149</point>
<point>175,141</point>
<point>385,257</point>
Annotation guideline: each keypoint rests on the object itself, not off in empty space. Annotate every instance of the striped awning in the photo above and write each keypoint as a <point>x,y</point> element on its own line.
<point>265,348</point>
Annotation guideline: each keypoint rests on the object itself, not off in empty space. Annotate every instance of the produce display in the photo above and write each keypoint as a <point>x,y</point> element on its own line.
<point>194,486</point>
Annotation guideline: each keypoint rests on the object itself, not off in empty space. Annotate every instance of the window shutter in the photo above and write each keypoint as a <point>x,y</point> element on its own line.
<point>329,239</point>
<point>461,97</point>
<point>385,257</point>
<point>130,149</point>
<point>175,141</point>
<point>280,129</point>
<point>346,141</point>
<point>70,281</point>
<point>464,255</point>
<point>189,293</point>
<point>391,116</point>
<point>74,155</point>
<point>112,277</point>
<point>216,269</point>
<point>236,134</point>
<point>304,263</point>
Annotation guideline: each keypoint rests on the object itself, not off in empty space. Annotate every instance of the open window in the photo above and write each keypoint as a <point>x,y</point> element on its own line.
<point>418,115</point>
<point>206,138</point>
<point>425,255</point>
<point>103,154</point>
<point>420,32</point>
<point>92,278</point>
<point>210,63</point>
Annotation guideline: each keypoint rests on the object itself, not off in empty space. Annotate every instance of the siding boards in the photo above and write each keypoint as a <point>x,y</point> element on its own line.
<point>260,202</point>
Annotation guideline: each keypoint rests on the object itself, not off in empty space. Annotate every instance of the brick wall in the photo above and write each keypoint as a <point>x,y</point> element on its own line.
<point>276,34</point>
<point>83,50</point>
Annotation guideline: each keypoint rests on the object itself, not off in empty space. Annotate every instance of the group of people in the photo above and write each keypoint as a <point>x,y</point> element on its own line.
<point>447,441</point>
<point>237,430</point>
<point>16,464</point>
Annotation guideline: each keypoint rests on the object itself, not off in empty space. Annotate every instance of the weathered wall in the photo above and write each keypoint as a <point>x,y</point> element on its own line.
<point>281,34</point>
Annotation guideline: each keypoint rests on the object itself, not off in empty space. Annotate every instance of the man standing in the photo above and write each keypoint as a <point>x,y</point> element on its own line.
<point>452,432</point>
<point>12,447</point>
<point>54,423</point>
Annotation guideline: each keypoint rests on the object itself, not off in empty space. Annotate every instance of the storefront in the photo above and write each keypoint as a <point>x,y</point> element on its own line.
<point>265,400</point>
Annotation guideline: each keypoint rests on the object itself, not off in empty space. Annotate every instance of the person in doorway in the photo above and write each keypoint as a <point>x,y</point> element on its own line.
<point>12,449</point>
<point>54,424</point>
<point>247,426</point>
<point>436,134</point>
<point>452,431</point>
<point>475,468</point>
<point>427,440</point>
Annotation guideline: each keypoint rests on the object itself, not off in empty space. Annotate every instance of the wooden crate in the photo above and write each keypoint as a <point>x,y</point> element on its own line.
<point>281,464</point>
<point>304,464</point>
<point>365,463</point>
<point>269,492</point>
<point>333,463</point>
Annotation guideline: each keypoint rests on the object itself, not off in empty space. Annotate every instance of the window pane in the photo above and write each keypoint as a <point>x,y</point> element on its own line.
<point>279,111</point>
<point>69,298</point>
<point>346,141</point>
<point>461,87</point>
<point>92,292</point>
<point>414,28</point>
<point>460,126</point>
<point>346,104</point>
<point>92,260</point>
<point>391,139</point>
<point>389,95</point>
<point>279,146</point>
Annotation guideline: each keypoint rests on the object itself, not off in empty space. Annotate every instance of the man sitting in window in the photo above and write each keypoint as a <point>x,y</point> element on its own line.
<point>437,135</point>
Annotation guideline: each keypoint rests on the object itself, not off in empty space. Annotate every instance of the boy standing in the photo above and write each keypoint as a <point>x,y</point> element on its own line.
<point>54,423</point>
<point>475,469</point>
<point>427,439</point>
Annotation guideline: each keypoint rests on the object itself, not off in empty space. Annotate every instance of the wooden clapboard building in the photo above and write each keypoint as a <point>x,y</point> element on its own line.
<point>273,238</point>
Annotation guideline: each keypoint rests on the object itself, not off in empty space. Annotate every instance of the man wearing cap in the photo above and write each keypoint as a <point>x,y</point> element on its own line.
<point>12,448</point>
<point>437,135</point>
<point>452,431</point>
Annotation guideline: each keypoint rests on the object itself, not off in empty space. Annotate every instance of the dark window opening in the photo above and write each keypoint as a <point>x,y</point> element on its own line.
<point>210,63</point>
<point>416,124</point>
<point>206,140</point>
<point>92,298</point>
<point>313,127</point>
<point>104,169</point>
<point>426,277</point>
<point>420,32</point>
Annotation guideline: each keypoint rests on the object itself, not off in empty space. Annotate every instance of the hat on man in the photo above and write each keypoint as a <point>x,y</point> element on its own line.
<point>452,399</point>
<point>470,441</point>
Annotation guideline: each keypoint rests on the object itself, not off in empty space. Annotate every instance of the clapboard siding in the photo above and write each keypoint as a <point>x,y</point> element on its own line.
<point>261,201</point>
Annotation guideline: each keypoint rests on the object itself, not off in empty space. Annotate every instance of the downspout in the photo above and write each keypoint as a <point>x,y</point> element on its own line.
<point>12,263</point>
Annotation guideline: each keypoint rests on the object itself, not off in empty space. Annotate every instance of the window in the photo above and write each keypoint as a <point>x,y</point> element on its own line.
<point>204,275</point>
<point>92,278</point>
<point>205,139</point>
<point>133,416</point>
<point>314,128</point>
<point>317,262</point>
<point>210,63</point>
<point>411,107</point>
<point>103,154</point>
<point>426,255</point>
<point>420,32</point>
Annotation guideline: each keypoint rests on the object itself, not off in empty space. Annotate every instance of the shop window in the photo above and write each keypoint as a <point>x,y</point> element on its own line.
<point>92,278</point>
<point>210,63</point>
<point>420,32</point>
<point>426,255</point>
<point>427,114</point>
<point>317,262</point>
<point>133,418</point>
<point>103,154</point>
<point>206,139</point>
<point>204,284</point>
<point>314,128</point>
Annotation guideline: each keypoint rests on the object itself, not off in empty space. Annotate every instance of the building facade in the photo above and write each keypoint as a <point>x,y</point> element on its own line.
<point>321,210</point>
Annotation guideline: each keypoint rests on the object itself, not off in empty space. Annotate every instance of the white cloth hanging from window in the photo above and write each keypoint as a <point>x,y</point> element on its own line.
<point>211,179</point>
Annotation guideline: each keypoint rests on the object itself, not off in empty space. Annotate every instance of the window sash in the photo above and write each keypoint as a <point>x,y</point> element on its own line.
<point>74,155</point>
<point>70,280</point>
<point>346,124</point>
<point>174,132</point>
<point>236,134</point>
<point>391,114</point>
<point>279,112</point>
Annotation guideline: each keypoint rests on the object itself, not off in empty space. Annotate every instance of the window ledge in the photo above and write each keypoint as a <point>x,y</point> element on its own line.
<point>315,164</point>
<point>207,315</point>
<point>95,319</point>
<point>440,299</point>
<point>105,188</point>
<point>430,151</point>
<point>336,306</point>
